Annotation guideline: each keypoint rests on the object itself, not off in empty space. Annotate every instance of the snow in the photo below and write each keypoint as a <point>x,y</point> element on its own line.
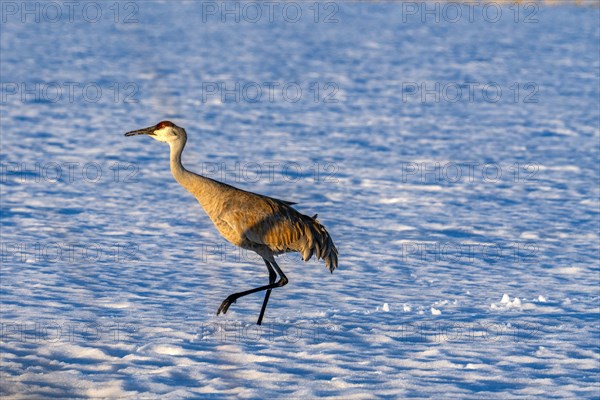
<point>478,285</point>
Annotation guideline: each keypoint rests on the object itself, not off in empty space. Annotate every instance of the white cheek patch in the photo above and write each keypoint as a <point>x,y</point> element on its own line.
<point>162,135</point>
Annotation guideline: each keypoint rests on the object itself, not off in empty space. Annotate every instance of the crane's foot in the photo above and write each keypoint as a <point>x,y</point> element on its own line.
<point>226,303</point>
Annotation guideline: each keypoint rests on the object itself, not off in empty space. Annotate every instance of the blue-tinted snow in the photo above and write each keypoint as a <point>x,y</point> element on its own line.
<point>110,285</point>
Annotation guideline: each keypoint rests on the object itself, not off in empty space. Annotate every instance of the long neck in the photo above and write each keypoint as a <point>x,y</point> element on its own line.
<point>198,185</point>
<point>180,174</point>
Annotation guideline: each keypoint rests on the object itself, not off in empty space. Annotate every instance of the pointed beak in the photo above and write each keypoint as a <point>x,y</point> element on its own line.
<point>145,131</point>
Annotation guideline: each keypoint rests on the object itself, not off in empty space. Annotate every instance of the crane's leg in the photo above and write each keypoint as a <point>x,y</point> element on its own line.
<point>233,297</point>
<point>272,277</point>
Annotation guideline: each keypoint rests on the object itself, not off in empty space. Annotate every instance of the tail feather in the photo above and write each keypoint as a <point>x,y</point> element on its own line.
<point>319,243</point>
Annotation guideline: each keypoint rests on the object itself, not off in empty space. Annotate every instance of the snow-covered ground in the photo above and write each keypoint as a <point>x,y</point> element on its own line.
<point>467,226</point>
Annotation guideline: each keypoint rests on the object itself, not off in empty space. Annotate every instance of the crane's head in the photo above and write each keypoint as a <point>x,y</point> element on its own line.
<point>164,131</point>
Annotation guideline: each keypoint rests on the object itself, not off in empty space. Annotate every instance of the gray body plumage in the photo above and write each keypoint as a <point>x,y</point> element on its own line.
<point>255,222</point>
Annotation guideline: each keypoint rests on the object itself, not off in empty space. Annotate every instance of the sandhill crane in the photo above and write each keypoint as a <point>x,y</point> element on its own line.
<point>262,224</point>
